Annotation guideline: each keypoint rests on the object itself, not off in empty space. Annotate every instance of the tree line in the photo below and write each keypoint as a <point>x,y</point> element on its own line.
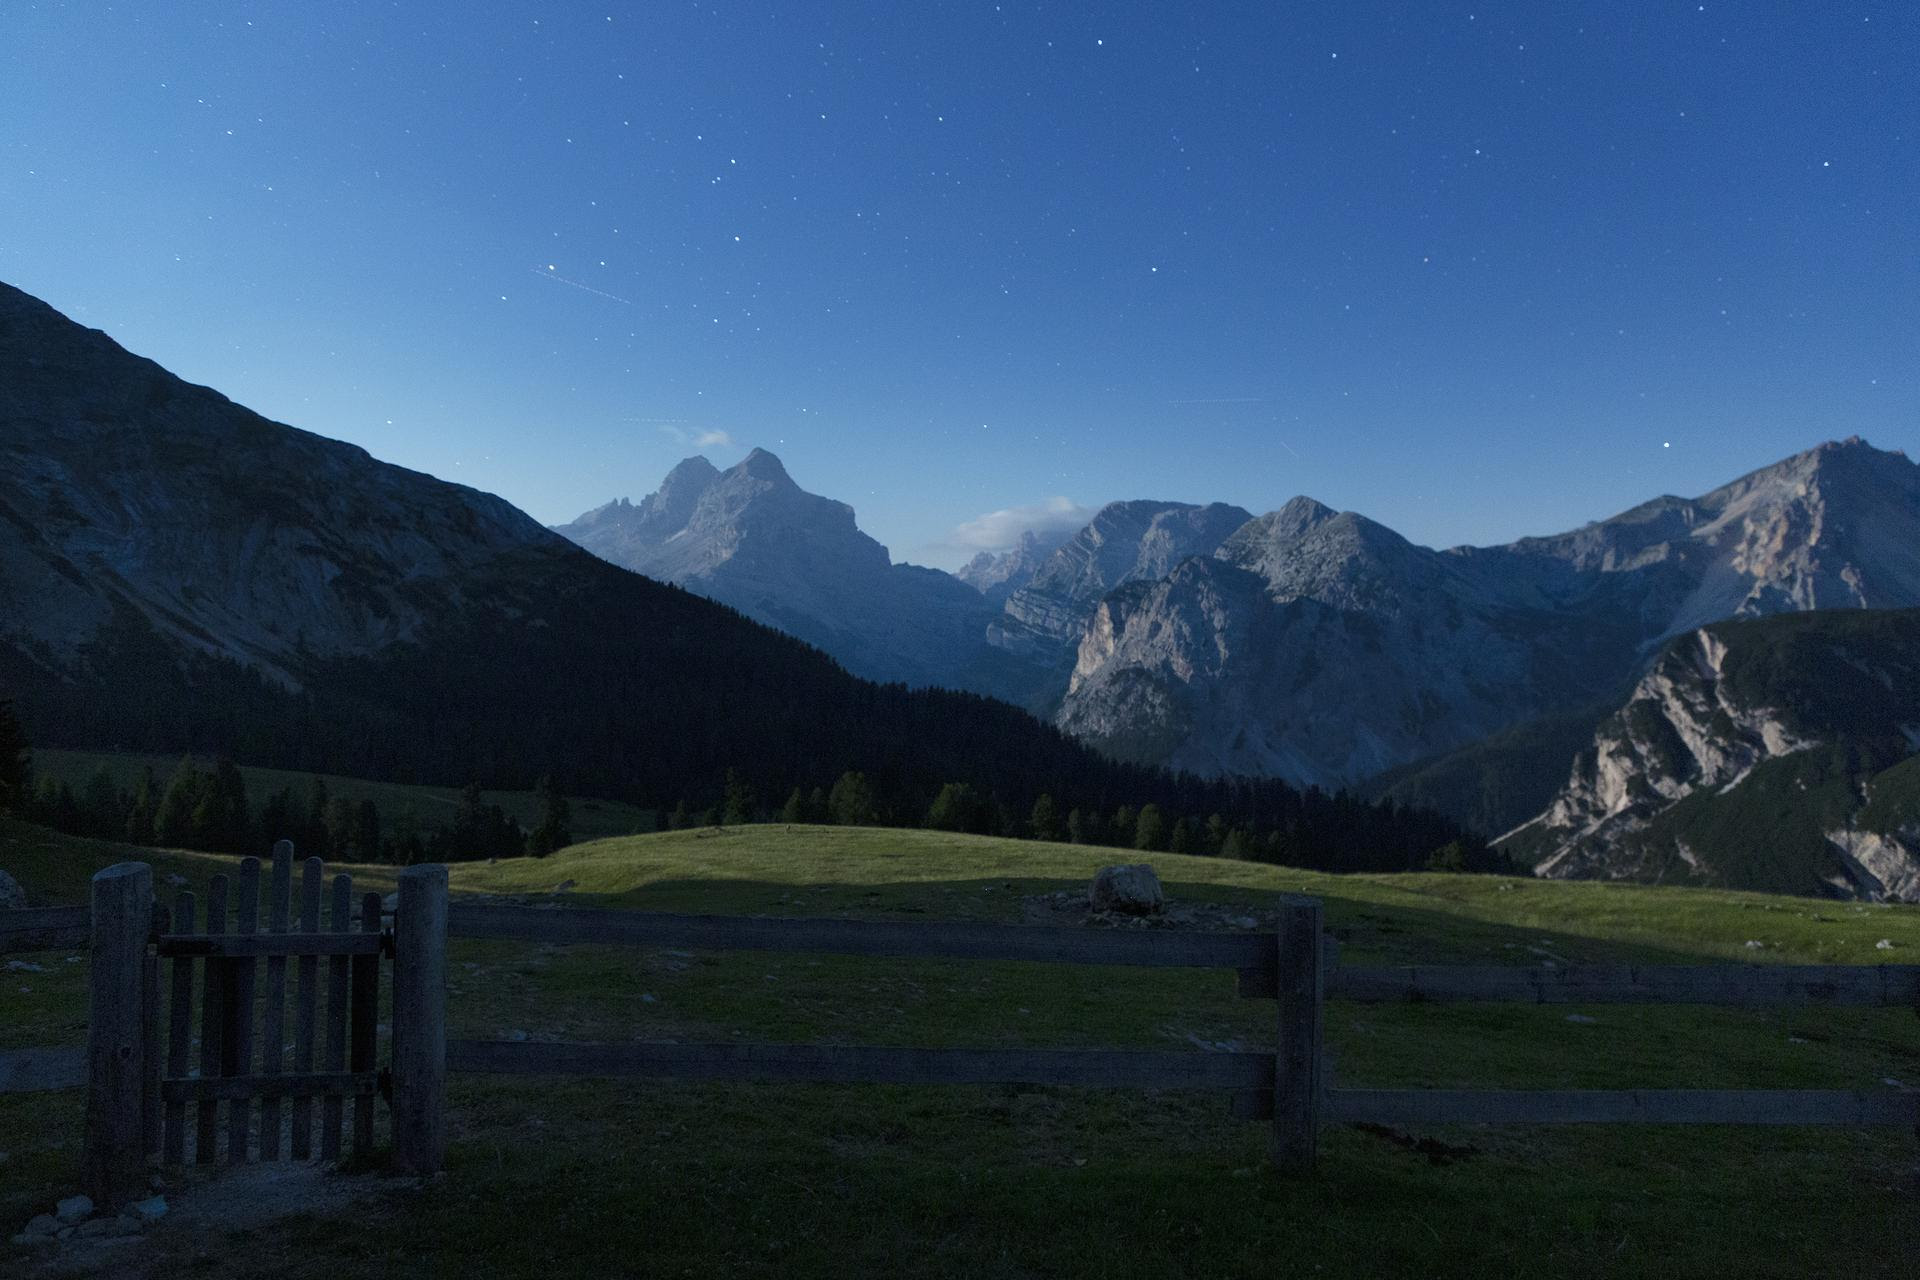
<point>630,690</point>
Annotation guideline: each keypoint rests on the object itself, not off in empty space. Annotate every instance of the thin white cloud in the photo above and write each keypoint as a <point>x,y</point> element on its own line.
<point>711,438</point>
<point>1001,530</point>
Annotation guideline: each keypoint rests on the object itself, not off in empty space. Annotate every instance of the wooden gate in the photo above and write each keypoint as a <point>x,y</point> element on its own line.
<point>236,1048</point>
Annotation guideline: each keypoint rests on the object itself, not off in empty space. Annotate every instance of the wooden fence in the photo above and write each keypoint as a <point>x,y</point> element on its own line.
<point>1291,966</point>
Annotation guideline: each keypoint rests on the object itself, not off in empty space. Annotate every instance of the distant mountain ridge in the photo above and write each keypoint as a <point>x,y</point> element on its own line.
<point>1328,648</point>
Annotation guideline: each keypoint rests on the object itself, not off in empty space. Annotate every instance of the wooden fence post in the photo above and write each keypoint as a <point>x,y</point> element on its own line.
<point>1296,1076</point>
<point>114,1157</point>
<point>420,1020</point>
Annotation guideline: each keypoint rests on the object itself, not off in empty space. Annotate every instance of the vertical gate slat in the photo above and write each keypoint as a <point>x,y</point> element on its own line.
<point>331,1107</point>
<point>366,1018</point>
<point>273,1026</point>
<point>213,1021</point>
<point>180,1033</point>
<point>150,1055</point>
<point>306,977</point>
<point>246,920</point>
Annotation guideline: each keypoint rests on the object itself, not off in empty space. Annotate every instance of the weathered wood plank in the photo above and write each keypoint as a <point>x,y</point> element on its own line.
<point>336,1046</point>
<point>306,988</point>
<point>273,1033</point>
<point>1900,1107</point>
<point>179,1033</point>
<point>45,928</point>
<point>213,1024</point>
<point>959,940</point>
<point>1728,984</point>
<point>239,1061</point>
<point>869,1064</point>
<point>238,946</point>
<point>34,1070</point>
<point>153,1058</point>
<point>113,1156</point>
<point>366,1019</point>
<point>420,1020</point>
<point>341,1084</point>
<point>1296,1073</point>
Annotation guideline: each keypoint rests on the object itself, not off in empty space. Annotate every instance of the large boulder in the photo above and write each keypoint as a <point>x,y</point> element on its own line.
<point>1129,890</point>
<point>12,896</point>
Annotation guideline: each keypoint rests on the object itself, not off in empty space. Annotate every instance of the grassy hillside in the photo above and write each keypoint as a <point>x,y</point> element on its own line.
<point>661,1178</point>
<point>426,807</point>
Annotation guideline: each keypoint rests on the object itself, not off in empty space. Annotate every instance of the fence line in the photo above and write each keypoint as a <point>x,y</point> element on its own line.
<point>137,1105</point>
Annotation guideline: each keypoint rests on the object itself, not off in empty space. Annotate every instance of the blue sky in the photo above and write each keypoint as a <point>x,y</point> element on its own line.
<point>1476,269</point>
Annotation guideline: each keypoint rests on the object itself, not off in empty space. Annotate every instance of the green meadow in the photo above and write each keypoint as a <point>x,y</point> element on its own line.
<point>646,1178</point>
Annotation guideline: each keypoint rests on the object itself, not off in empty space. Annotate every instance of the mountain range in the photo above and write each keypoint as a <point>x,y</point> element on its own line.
<point>1309,644</point>
<point>178,573</point>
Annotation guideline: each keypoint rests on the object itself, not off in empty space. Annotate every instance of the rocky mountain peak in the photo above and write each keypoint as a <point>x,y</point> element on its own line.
<point>764,466</point>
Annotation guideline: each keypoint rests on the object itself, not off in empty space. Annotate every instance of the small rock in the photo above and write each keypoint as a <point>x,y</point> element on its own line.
<point>1245,922</point>
<point>647,997</point>
<point>1132,890</point>
<point>73,1209</point>
<point>43,1224</point>
<point>1890,1080</point>
<point>177,880</point>
<point>1581,1019</point>
<point>390,904</point>
<point>126,1225</point>
<point>565,886</point>
<point>517,1036</point>
<point>151,1210</point>
<point>12,896</point>
<point>73,959</point>
<point>25,966</point>
<point>1885,944</point>
<point>1754,946</point>
<point>96,1227</point>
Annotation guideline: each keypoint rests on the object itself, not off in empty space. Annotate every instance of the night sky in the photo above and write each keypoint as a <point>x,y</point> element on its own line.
<point>1476,269</point>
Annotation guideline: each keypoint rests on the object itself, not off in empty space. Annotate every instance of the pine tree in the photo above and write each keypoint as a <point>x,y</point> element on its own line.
<point>173,824</point>
<point>16,766</point>
<point>366,831</point>
<point>1150,830</point>
<point>852,803</point>
<point>102,812</point>
<point>1183,837</point>
<point>556,820</point>
<point>1045,819</point>
<point>143,807</point>
<point>738,807</point>
<point>795,809</point>
<point>1237,844</point>
<point>956,808</point>
<point>1076,827</point>
<point>1123,821</point>
<point>677,820</point>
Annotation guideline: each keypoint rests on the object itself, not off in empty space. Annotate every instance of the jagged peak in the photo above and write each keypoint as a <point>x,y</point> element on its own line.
<point>762,465</point>
<point>688,468</point>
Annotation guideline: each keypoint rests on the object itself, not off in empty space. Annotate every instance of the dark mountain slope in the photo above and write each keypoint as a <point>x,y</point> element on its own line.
<point>177,573</point>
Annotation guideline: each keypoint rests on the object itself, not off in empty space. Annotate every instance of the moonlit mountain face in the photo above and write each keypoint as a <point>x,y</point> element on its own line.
<point>751,538</point>
<point>1325,648</point>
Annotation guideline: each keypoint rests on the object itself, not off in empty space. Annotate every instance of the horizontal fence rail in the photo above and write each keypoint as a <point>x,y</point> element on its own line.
<point>1750,984</point>
<point>31,1070</point>
<point>45,928</point>
<point>1042,943</point>
<point>870,1064</point>
<point>1626,1106</point>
